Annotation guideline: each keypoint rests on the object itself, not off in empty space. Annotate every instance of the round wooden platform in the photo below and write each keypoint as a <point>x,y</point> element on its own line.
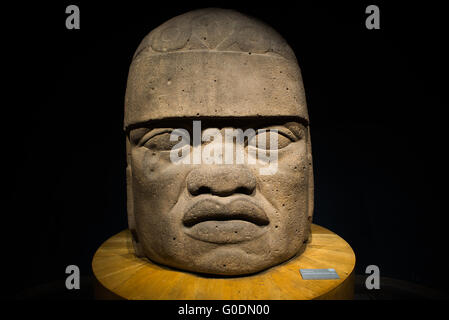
<point>120,274</point>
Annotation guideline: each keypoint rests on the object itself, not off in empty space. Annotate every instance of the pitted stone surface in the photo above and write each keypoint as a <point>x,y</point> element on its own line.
<point>214,29</point>
<point>226,70</point>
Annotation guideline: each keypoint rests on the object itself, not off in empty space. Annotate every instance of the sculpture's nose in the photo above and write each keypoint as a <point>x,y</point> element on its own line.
<point>221,180</point>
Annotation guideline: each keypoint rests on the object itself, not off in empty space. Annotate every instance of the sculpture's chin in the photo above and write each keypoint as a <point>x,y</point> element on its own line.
<point>231,261</point>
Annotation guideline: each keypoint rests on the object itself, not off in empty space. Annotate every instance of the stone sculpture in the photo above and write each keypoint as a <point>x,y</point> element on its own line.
<point>218,69</point>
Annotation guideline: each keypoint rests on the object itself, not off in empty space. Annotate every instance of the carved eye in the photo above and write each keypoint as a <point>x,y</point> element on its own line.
<point>162,142</point>
<point>263,139</point>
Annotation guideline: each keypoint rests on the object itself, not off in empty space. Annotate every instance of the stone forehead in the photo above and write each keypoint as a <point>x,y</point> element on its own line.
<point>214,29</point>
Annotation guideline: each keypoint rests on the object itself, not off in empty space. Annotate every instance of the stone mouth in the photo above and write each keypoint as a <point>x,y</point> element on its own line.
<point>225,231</point>
<point>213,210</point>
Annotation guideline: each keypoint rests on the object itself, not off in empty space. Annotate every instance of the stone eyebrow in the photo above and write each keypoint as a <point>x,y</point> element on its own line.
<point>247,121</point>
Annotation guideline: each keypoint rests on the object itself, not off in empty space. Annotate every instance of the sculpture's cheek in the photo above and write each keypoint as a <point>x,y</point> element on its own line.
<point>287,192</point>
<point>156,178</point>
<point>157,187</point>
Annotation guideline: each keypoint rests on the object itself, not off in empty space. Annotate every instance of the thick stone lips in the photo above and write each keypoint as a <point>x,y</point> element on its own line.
<point>212,209</point>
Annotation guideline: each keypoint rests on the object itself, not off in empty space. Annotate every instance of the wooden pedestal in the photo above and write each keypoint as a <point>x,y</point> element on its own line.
<point>120,274</point>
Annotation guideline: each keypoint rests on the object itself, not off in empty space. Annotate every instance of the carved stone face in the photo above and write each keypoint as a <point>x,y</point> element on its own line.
<point>227,71</point>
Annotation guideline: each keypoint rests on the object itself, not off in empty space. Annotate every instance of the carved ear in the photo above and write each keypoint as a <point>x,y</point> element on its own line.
<point>310,199</point>
<point>130,201</point>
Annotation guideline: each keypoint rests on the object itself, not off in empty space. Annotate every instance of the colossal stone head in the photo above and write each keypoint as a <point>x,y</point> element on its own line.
<point>222,70</point>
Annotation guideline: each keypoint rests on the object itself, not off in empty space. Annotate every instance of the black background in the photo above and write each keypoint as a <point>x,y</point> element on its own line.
<point>377,103</point>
